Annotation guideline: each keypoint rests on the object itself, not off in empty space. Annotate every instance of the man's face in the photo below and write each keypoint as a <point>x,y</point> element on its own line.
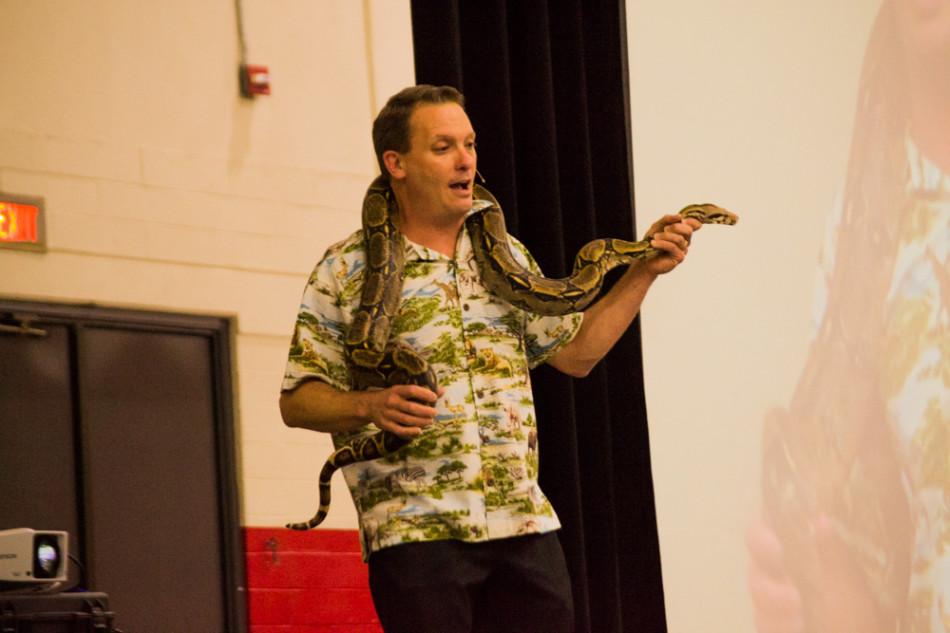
<point>439,169</point>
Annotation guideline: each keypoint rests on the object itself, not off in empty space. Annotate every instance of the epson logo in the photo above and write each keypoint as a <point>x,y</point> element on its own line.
<point>7,556</point>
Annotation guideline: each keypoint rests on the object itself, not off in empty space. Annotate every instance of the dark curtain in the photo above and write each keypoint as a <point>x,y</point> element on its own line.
<point>546,88</point>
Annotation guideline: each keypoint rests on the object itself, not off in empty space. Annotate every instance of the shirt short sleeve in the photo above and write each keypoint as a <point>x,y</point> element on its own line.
<point>544,335</point>
<point>316,350</point>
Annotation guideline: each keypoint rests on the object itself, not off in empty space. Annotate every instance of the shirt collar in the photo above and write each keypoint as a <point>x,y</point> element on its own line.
<point>925,176</point>
<point>463,244</point>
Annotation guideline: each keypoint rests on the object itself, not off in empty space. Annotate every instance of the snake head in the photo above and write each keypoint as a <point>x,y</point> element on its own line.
<point>709,214</point>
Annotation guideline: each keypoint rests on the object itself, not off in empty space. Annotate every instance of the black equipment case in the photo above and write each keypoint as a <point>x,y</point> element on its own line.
<point>79,612</point>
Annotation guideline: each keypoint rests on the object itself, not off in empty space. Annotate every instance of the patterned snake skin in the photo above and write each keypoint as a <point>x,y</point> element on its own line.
<point>374,361</point>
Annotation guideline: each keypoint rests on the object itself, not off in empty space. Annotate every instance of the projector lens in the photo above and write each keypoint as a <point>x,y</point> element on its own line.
<point>46,561</point>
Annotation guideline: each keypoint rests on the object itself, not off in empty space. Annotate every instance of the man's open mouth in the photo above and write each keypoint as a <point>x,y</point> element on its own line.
<point>461,185</point>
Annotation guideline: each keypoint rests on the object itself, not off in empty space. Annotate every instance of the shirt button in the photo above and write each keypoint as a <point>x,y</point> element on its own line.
<point>465,307</point>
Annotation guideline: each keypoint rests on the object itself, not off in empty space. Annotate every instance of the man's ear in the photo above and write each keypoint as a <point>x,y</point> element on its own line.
<point>393,162</point>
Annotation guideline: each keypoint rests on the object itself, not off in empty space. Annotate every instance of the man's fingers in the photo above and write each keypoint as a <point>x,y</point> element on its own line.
<point>680,232</point>
<point>416,392</point>
<point>670,218</point>
<point>674,239</point>
<point>415,414</point>
<point>672,235</point>
<point>674,250</point>
<point>406,410</point>
<point>411,414</point>
<point>404,424</point>
<point>405,432</point>
<point>665,241</point>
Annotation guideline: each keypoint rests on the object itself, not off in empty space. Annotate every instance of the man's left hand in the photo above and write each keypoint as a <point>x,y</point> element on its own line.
<point>671,234</point>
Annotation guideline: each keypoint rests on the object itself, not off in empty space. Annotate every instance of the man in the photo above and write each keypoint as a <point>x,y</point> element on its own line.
<point>457,532</point>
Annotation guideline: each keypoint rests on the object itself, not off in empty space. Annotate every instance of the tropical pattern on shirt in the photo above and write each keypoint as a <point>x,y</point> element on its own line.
<point>916,383</point>
<point>473,474</point>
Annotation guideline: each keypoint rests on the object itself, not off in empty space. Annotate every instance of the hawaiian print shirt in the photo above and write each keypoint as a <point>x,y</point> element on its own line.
<point>473,475</point>
<point>916,381</point>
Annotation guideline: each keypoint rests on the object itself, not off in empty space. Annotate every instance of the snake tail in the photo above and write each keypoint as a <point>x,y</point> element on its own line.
<point>379,444</point>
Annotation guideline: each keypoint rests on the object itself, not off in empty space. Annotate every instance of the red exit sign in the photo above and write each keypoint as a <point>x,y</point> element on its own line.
<point>22,223</point>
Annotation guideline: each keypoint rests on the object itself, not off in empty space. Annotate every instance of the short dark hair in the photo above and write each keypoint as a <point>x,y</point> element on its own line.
<point>391,127</point>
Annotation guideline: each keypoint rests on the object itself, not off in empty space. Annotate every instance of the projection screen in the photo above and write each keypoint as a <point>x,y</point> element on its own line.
<point>798,365</point>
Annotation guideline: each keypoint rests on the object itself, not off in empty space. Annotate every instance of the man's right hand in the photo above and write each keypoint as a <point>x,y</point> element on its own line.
<point>403,410</point>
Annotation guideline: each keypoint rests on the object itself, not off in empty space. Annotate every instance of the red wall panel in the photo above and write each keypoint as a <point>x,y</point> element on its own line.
<point>307,582</point>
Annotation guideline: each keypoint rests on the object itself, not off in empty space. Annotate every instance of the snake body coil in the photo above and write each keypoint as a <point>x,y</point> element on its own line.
<point>375,361</point>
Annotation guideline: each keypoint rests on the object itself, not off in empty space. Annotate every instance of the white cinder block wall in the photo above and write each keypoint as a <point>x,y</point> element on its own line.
<point>165,190</point>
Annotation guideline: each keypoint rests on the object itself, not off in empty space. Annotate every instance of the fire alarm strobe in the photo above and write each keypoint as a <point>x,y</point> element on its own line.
<point>255,80</point>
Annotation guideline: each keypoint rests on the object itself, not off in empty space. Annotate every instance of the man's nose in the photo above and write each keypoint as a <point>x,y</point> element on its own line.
<point>466,159</point>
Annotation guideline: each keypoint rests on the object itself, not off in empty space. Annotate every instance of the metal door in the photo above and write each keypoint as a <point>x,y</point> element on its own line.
<point>117,427</point>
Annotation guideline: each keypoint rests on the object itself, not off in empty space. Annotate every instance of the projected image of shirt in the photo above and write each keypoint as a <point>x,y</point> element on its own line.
<point>856,469</point>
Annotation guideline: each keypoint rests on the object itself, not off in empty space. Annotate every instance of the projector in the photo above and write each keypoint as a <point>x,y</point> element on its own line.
<point>33,556</point>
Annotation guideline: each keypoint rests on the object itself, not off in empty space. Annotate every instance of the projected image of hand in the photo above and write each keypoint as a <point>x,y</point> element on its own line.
<point>775,597</point>
<point>844,602</point>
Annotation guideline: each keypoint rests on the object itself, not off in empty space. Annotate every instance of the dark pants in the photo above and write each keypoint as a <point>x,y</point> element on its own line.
<point>515,585</point>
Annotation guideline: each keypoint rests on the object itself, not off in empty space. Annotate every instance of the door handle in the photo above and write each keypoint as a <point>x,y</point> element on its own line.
<point>23,327</point>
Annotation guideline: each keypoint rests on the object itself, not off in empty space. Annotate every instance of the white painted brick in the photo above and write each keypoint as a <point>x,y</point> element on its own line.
<point>233,211</point>
<point>209,247</point>
<point>254,378</point>
<point>295,500</point>
<point>153,204</point>
<point>273,182</point>
<point>267,303</point>
<point>279,460</point>
<point>176,169</point>
<point>260,417</point>
<point>335,226</point>
<point>260,414</point>
<point>390,48</point>
<point>273,496</point>
<point>179,169</point>
<point>252,215</point>
<point>187,244</point>
<point>200,209</point>
<point>46,153</point>
<point>261,423</point>
<point>221,248</point>
<point>265,252</point>
<point>341,190</point>
<point>286,219</point>
<point>264,303</point>
<point>89,233</point>
<point>225,212</point>
<point>263,354</point>
<point>15,269</point>
<point>61,193</point>
<point>295,251</point>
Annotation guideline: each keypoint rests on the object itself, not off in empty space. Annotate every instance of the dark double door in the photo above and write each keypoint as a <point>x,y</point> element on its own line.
<point>117,426</point>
